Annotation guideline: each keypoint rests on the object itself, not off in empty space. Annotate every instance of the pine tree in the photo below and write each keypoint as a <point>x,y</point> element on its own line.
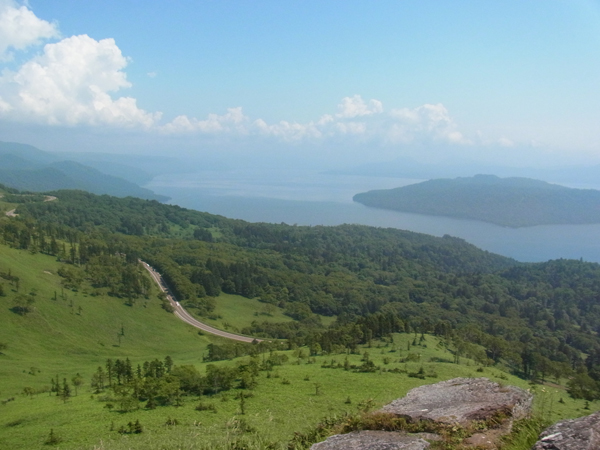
<point>98,380</point>
<point>151,403</point>
<point>77,381</point>
<point>242,403</point>
<point>65,391</point>
<point>55,386</point>
<point>168,364</point>
<point>53,438</point>
<point>109,371</point>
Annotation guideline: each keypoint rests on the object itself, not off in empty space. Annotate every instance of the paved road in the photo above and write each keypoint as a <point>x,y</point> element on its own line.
<point>185,316</point>
<point>11,213</point>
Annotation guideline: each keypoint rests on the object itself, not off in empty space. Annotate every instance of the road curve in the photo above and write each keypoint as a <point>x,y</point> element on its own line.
<point>11,213</point>
<point>185,316</point>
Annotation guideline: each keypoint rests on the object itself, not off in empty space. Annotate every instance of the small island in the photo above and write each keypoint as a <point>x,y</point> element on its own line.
<point>510,202</point>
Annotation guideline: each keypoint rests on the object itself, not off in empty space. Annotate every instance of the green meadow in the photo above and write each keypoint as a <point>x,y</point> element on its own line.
<point>234,312</point>
<point>72,332</point>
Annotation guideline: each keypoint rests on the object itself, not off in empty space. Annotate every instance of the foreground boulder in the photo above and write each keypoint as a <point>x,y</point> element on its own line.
<point>372,440</point>
<point>576,434</point>
<point>448,405</point>
<point>462,400</point>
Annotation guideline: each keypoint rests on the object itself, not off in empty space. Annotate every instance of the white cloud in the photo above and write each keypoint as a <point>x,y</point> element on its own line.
<point>234,121</point>
<point>20,28</point>
<point>69,84</point>
<point>355,106</point>
<point>424,123</point>
<point>288,131</point>
<point>351,127</point>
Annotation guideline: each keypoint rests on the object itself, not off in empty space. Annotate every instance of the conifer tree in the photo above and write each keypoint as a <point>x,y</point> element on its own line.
<point>65,391</point>
<point>168,364</point>
<point>109,371</point>
<point>53,438</point>
<point>77,381</point>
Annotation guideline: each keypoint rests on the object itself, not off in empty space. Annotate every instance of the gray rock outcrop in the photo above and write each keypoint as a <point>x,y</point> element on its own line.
<point>372,440</point>
<point>462,400</point>
<point>576,434</point>
<point>458,401</point>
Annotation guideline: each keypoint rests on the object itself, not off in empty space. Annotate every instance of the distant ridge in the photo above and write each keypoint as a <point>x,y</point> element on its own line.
<point>28,168</point>
<point>512,202</point>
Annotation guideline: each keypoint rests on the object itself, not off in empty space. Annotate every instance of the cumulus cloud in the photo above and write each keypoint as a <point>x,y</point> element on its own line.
<point>426,122</point>
<point>70,84</point>
<point>20,28</point>
<point>287,131</point>
<point>356,119</point>
<point>234,121</point>
<point>355,106</point>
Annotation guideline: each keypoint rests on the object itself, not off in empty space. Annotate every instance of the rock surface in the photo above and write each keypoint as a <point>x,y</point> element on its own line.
<point>458,401</point>
<point>576,434</point>
<point>462,400</point>
<point>372,440</point>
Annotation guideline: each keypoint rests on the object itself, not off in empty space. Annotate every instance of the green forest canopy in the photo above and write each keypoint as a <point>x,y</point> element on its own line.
<point>539,319</point>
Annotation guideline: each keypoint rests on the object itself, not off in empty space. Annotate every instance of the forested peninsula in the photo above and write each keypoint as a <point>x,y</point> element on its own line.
<point>510,202</point>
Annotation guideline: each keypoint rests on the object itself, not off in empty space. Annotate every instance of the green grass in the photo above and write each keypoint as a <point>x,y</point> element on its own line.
<point>4,206</point>
<point>57,340</point>
<point>58,330</point>
<point>234,312</point>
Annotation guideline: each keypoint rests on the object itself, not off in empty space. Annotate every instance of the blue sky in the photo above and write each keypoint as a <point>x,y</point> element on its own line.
<point>356,80</point>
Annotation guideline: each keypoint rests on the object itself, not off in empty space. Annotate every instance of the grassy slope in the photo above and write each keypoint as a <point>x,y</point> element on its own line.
<point>234,312</point>
<point>56,340</point>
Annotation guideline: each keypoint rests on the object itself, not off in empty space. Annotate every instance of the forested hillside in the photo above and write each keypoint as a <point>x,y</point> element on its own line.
<point>27,168</point>
<point>511,202</point>
<point>539,319</point>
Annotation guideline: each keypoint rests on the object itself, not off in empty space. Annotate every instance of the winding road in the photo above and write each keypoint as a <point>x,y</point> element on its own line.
<point>11,213</point>
<point>185,316</point>
<point>178,309</point>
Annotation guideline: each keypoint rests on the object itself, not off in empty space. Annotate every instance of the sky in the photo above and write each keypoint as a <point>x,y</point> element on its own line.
<point>338,82</point>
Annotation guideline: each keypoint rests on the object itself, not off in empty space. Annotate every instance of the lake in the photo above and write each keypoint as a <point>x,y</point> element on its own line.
<point>311,198</point>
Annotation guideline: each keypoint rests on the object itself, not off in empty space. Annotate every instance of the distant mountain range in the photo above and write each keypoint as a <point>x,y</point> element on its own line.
<point>511,202</point>
<point>28,168</point>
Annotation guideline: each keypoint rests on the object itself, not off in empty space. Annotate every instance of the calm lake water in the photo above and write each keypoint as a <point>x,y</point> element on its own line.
<point>305,198</point>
